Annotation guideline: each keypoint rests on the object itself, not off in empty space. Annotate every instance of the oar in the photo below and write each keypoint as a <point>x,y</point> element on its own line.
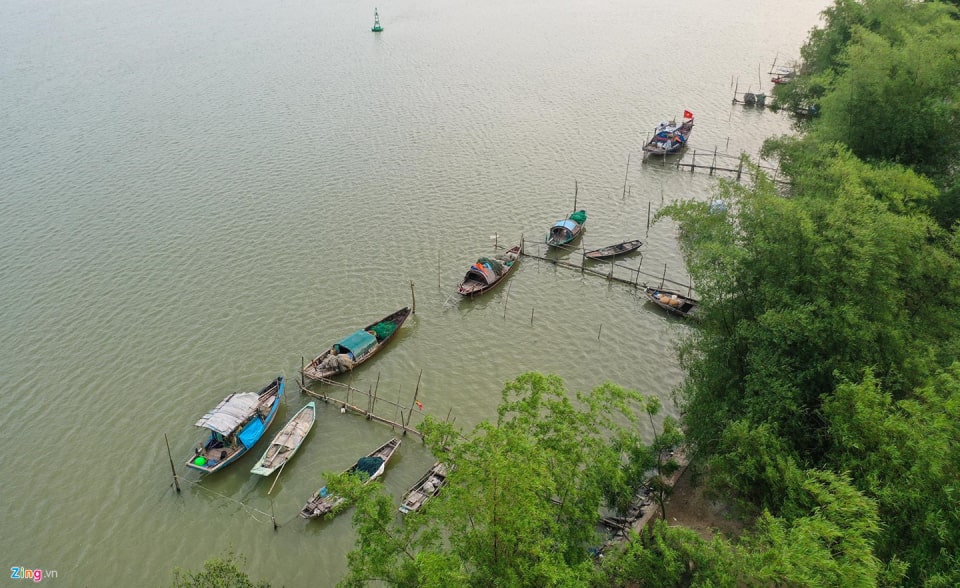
<point>278,477</point>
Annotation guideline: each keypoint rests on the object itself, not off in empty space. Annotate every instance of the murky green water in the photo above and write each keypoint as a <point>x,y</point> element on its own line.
<point>193,195</point>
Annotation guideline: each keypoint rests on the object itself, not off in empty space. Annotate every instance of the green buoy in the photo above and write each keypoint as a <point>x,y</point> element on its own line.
<point>376,22</point>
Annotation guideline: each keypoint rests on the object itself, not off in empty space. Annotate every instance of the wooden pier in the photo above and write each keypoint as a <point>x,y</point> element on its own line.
<point>713,163</point>
<point>372,401</point>
<point>605,269</point>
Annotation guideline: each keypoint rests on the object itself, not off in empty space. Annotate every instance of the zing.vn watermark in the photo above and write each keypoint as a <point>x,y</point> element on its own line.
<point>21,573</point>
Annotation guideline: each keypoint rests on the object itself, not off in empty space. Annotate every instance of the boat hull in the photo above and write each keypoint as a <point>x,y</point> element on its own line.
<point>426,488</point>
<point>673,143</point>
<point>215,454</point>
<point>614,250</point>
<point>296,430</point>
<point>316,369</point>
<point>322,502</point>
<point>673,302</point>
<point>473,286</point>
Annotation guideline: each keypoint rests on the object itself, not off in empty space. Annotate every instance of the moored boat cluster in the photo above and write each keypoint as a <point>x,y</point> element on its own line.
<point>235,425</point>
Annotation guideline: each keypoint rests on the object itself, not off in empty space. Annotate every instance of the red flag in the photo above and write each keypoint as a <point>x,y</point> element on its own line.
<point>687,114</point>
<point>419,405</point>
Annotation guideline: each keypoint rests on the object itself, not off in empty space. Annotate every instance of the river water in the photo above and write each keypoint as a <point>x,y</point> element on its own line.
<point>194,195</point>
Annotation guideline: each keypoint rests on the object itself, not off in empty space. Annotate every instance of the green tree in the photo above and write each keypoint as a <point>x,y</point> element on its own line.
<point>828,543</point>
<point>801,295</point>
<point>800,292</point>
<point>905,454</point>
<point>218,572</point>
<point>825,538</point>
<point>671,556</point>
<point>897,99</point>
<point>522,506</point>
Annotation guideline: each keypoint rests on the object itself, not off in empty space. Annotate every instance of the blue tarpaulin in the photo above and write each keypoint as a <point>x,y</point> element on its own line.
<point>251,433</point>
<point>358,343</point>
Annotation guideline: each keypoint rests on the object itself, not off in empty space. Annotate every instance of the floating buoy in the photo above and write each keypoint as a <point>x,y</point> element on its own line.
<point>376,22</point>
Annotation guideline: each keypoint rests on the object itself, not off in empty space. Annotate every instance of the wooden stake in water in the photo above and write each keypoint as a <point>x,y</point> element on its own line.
<point>410,412</point>
<point>397,411</point>
<point>413,295</point>
<point>664,278</point>
<point>576,190</point>
<point>506,299</point>
<point>599,331</point>
<point>373,404</point>
<point>531,316</point>
<point>273,516</point>
<point>176,482</point>
<point>625,176</point>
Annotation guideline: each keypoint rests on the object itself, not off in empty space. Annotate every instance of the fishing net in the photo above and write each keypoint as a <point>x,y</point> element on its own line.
<point>383,330</point>
<point>368,465</point>
<point>579,216</point>
<point>493,264</point>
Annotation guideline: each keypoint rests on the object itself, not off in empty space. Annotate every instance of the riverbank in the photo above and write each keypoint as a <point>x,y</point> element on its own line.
<point>689,506</point>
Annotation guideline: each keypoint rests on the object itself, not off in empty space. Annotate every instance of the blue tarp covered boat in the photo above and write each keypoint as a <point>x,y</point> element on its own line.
<point>235,426</point>
<point>564,232</point>
<point>670,137</point>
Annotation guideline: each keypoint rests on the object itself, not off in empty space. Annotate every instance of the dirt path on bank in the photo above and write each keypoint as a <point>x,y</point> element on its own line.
<point>689,507</point>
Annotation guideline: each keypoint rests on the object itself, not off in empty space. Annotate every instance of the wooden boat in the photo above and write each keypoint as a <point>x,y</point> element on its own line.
<point>286,443</point>
<point>672,301</point>
<point>426,488</point>
<point>355,348</point>
<point>371,465</point>
<point>235,425</point>
<point>566,231</point>
<point>486,274</point>
<point>614,250</point>
<point>670,137</point>
<point>783,75</point>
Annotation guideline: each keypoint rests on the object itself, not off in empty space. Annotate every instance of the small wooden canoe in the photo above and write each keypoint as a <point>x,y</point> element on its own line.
<point>426,488</point>
<point>614,250</point>
<point>672,301</point>
<point>487,273</point>
<point>286,443</point>
<point>371,465</point>
<point>355,348</point>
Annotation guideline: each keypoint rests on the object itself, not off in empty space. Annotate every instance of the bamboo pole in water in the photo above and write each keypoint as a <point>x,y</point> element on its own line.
<point>626,175</point>
<point>506,299</point>
<point>275,480</point>
<point>176,482</point>
<point>373,401</point>
<point>410,412</point>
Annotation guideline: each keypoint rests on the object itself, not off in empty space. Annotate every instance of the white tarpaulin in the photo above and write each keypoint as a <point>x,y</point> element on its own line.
<point>231,413</point>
